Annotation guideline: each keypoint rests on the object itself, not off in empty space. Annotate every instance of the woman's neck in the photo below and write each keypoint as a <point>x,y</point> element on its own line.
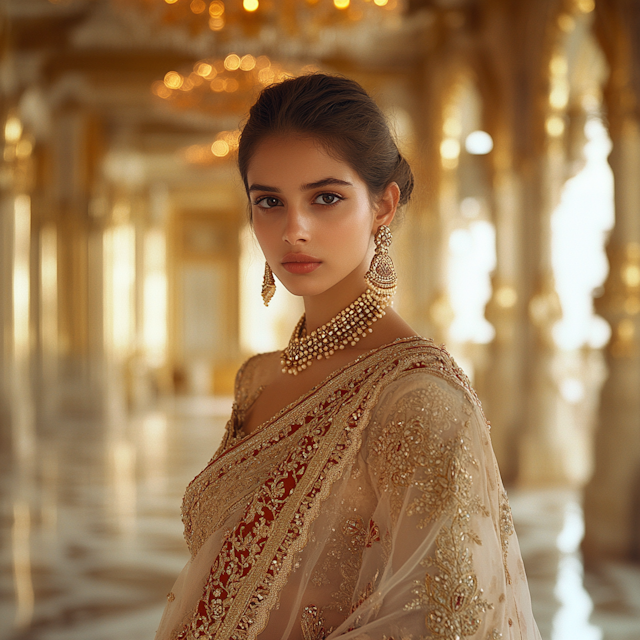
<point>321,308</point>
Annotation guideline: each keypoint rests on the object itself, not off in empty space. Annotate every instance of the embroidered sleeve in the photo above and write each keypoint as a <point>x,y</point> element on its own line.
<point>426,461</point>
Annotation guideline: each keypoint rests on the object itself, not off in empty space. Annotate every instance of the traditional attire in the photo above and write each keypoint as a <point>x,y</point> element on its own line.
<point>371,508</point>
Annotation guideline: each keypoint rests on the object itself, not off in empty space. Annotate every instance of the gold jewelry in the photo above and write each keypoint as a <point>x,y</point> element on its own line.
<point>382,276</point>
<point>268,284</point>
<point>348,327</point>
<point>352,323</point>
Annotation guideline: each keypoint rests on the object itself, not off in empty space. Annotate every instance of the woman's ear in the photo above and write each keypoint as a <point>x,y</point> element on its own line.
<point>387,205</point>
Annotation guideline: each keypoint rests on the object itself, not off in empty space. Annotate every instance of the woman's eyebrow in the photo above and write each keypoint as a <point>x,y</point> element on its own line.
<point>263,187</point>
<point>325,182</point>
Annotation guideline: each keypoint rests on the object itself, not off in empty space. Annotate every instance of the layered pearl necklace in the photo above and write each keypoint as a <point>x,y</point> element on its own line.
<point>346,328</point>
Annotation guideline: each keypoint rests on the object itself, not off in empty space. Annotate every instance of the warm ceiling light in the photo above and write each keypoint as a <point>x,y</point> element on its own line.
<point>216,9</point>
<point>506,296</point>
<point>555,126</point>
<point>232,62</point>
<point>220,148</point>
<point>478,143</point>
<point>450,149</point>
<point>171,1</point>
<point>341,4</point>
<point>248,62</point>
<point>173,80</point>
<point>380,3</point>
<point>559,96</point>
<point>12,129</point>
<point>204,69</point>
<point>198,6</point>
<point>250,5</point>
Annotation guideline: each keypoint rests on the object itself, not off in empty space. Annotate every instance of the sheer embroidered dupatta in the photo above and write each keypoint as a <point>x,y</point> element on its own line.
<point>372,508</point>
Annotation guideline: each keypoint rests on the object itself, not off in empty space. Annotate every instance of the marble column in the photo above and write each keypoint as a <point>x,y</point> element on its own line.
<point>612,498</point>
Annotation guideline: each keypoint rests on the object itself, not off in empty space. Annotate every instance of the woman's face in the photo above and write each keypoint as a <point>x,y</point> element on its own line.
<point>312,214</point>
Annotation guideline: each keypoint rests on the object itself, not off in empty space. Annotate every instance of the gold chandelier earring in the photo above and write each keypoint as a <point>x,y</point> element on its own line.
<point>382,277</point>
<point>268,284</point>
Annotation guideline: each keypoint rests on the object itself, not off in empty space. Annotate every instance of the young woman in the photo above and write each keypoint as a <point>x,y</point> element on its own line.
<point>355,493</point>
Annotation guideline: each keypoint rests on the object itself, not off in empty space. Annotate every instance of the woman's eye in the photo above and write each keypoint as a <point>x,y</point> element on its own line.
<point>267,202</point>
<point>327,198</point>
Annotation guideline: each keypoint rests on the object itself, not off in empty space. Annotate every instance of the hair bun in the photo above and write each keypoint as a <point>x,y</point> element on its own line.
<point>403,177</point>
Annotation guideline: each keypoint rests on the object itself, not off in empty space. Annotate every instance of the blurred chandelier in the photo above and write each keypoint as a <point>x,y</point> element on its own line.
<point>224,86</point>
<point>221,87</point>
<point>250,17</point>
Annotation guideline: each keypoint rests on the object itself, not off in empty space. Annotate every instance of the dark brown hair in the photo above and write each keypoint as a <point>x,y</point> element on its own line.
<point>340,114</point>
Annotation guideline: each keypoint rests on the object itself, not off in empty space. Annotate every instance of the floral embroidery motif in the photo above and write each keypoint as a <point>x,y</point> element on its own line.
<point>506,530</point>
<point>452,597</point>
<point>415,454</point>
<point>359,535</point>
<point>358,538</point>
<point>313,624</point>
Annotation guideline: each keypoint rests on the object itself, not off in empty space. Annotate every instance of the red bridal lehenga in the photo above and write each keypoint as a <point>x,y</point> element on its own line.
<point>370,508</point>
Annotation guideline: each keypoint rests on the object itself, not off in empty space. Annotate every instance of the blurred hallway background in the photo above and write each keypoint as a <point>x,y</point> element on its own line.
<point>130,280</point>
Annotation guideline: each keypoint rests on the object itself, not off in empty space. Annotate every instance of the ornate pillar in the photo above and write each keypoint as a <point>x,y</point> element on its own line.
<point>500,389</point>
<point>612,496</point>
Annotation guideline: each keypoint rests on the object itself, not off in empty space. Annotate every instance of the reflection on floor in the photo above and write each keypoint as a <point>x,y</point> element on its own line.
<point>92,538</point>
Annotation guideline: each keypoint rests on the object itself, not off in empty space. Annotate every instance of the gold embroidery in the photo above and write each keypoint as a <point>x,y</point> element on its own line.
<point>322,437</point>
<point>506,530</point>
<point>313,624</point>
<point>451,596</point>
<point>365,595</point>
<point>415,454</point>
<point>309,446</point>
<point>358,538</point>
<point>171,596</point>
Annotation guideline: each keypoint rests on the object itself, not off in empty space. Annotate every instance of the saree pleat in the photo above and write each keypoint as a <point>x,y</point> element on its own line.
<point>370,508</point>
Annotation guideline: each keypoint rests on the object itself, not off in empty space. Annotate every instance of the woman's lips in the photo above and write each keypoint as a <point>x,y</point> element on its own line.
<point>300,263</point>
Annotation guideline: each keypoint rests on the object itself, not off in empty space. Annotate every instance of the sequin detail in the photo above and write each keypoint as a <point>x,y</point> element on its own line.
<point>506,530</point>
<point>280,475</point>
<point>322,437</point>
<point>425,446</point>
<point>313,624</point>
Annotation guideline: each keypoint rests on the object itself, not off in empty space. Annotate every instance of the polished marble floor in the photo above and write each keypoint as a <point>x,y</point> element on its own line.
<point>91,538</point>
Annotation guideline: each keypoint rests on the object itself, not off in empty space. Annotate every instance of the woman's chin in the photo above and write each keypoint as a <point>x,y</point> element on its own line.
<point>304,287</point>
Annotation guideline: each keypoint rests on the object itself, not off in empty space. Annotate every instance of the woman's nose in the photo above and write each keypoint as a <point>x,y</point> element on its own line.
<point>296,228</point>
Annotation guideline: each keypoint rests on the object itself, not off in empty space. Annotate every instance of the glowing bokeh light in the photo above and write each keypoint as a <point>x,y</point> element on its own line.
<point>173,80</point>
<point>232,62</point>
<point>478,143</point>
<point>450,149</point>
<point>220,148</point>
<point>216,9</point>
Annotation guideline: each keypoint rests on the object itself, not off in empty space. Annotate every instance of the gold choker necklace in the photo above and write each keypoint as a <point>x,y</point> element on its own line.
<point>346,328</point>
